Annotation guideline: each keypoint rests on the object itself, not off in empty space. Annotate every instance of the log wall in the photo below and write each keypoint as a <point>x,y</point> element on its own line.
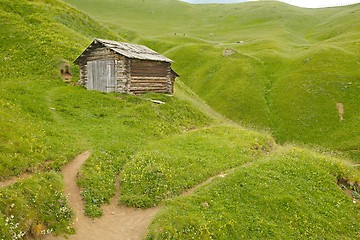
<point>83,75</point>
<point>122,78</point>
<point>149,76</point>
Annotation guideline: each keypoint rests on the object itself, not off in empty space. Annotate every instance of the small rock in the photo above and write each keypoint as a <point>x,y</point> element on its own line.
<point>228,52</point>
<point>222,175</point>
<point>205,205</point>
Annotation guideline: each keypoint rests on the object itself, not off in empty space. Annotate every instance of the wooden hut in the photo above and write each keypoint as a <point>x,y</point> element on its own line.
<point>110,66</point>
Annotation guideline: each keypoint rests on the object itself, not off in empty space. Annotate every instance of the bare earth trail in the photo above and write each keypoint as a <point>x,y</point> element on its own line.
<point>13,180</point>
<point>117,222</point>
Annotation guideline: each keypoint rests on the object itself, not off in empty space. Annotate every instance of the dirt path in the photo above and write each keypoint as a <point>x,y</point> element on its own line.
<point>117,222</point>
<point>13,180</point>
<point>209,180</point>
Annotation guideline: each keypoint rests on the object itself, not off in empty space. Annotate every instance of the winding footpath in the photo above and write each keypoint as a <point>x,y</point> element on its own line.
<point>117,222</point>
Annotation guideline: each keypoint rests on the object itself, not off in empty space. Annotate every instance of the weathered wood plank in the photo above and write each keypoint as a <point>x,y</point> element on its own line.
<point>148,74</point>
<point>149,68</point>
<point>101,76</point>
<point>145,91</point>
<point>148,83</point>
<point>147,78</point>
<point>148,86</point>
<point>153,89</point>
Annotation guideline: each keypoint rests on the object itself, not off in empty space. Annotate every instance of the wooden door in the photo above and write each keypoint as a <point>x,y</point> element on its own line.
<point>101,75</point>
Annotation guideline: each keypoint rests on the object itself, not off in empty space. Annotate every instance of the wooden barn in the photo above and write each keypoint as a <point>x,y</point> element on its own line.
<point>110,66</point>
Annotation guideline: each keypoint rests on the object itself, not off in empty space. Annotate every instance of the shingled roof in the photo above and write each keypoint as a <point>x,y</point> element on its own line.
<point>132,51</point>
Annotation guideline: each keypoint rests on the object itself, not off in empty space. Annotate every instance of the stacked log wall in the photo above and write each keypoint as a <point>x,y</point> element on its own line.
<point>83,75</point>
<point>121,74</point>
<point>149,76</point>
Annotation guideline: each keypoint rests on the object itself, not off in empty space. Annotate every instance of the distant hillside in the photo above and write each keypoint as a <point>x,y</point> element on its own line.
<point>285,68</point>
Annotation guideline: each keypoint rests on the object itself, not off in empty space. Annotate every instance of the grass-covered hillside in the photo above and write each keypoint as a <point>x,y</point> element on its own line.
<point>285,67</point>
<point>36,38</point>
<point>158,151</point>
<point>291,194</point>
<point>45,122</point>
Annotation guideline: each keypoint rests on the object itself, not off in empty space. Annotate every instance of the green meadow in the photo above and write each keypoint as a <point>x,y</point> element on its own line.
<point>291,194</point>
<point>254,77</point>
<point>289,68</point>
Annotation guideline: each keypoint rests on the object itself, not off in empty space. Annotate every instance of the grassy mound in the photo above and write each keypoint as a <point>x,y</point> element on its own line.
<point>168,167</point>
<point>36,205</point>
<point>292,194</point>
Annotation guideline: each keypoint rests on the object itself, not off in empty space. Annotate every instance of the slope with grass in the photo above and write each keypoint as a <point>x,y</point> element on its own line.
<point>289,69</point>
<point>44,122</point>
<point>291,194</point>
<point>157,150</point>
<point>168,167</point>
<point>36,36</point>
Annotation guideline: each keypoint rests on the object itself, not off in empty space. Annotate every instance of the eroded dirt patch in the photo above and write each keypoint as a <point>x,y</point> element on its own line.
<point>340,108</point>
<point>13,180</point>
<point>352,189</point>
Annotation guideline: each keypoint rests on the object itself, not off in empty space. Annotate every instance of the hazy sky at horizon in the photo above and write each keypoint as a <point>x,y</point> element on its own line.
<point>300,3</point>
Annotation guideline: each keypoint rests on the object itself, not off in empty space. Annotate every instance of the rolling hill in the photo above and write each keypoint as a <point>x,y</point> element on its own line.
<point>160,151</point>
<point>288,67</point>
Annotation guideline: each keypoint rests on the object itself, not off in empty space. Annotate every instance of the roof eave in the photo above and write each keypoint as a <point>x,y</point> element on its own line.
<point>77,60</point>
<point>157,57</point>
